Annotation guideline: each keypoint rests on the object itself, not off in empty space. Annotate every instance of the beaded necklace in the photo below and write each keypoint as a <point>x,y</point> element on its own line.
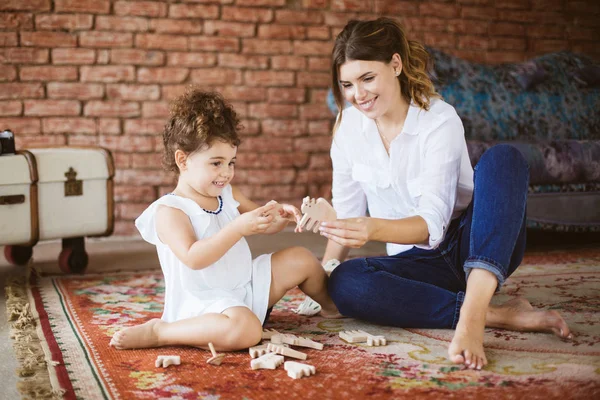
<point>209,211</point>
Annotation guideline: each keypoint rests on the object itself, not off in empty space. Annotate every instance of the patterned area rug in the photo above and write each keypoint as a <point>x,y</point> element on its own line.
<point>77,315</point>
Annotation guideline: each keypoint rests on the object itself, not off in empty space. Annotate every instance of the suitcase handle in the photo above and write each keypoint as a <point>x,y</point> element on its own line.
<point>12,199</point>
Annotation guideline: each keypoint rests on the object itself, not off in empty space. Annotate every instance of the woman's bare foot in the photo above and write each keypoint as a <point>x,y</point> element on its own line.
<point>466,346</point>
<point>138,337</point>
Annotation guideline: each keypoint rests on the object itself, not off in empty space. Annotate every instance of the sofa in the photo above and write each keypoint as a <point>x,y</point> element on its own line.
<point>548,108</point>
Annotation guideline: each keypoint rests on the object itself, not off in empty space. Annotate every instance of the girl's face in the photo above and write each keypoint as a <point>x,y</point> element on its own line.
<point>208,171</point>
<point>371,86</point>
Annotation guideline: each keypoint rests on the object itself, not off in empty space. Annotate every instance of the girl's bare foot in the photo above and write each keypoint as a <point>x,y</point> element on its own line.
<point>137,337</point>
<point>332,314</point>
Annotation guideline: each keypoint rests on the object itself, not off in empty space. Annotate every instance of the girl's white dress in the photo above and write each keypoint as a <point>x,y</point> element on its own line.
<point>234,280</point>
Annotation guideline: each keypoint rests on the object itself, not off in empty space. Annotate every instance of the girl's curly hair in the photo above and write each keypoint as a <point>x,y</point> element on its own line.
<point>197,119</point>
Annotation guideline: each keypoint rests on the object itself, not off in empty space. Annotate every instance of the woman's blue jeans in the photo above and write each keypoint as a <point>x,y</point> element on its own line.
<point>426,288</point>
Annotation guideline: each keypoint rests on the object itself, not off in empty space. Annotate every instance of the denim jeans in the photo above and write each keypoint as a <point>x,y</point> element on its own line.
<point>422,288</point>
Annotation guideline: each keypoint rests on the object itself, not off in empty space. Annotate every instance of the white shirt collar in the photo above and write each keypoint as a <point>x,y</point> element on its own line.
<point>410,124</point>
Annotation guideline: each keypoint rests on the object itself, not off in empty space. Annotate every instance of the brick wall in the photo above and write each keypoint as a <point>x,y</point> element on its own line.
<point>101,72</point>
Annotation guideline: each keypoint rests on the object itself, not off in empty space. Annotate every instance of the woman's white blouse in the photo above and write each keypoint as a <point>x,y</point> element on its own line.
<point>427,173</point>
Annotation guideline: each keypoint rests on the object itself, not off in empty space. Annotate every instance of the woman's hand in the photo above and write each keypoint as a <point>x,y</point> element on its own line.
<point>256,221</point>
<point>351,232</point>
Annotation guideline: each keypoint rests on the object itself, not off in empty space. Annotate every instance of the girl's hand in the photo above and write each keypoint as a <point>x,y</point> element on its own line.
<point>291,213</point>
<point>256,221</point>
<point>283,214</point>
<point>351,232</point>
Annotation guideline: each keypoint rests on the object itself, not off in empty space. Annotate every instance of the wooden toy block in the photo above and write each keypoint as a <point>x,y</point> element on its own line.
<point>257,351</point>
<point>268,333</point>
<point>267,361</point>
<point>314,212</point>
<point>297,370</point>
<point>286,351</point>
<point>165,361</point>
<point>216,359</point>
<point>296,341</point>
<point>354,336</point>
<point>373,340</point>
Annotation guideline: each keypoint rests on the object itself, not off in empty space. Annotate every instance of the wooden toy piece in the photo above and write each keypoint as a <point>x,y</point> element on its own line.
<point>286,351</point>
<point>165,361</point>
<point>354,336</point>
<point>297,370</point>
<point>216,359</point>
<point>314,212</point>
<point>268,333</point>
<point>267,361</point>
<point>296,341</point>
<point>257,351</point>
<point>373,340</point>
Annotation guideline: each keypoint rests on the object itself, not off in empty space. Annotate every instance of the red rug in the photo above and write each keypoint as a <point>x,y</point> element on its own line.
<point>77,316</point>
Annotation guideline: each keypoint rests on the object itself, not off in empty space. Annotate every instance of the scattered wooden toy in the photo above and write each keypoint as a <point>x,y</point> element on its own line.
<point>216,359</point>
<point>314,212</point>
<point>297,370</point>
<point>267,361</point>
<point>257,351</point>
<point>296,341</point>
<point>286,351</point>
<point>165,361</point>
<point>267,333</point>
<point>359,336</point>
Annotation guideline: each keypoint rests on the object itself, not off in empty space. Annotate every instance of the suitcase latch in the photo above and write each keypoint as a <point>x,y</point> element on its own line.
<point>73,187</point>
<point>12,199</point>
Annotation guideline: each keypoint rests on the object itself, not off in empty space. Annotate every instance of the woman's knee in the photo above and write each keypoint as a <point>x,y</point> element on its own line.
<point>345,284</point>
<point>504,155</point>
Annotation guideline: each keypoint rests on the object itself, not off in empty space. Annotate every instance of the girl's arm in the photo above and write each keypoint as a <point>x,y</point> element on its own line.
<point>245,203</point>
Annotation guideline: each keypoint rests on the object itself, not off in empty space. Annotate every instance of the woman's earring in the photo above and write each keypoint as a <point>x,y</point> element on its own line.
<point>396,72</point>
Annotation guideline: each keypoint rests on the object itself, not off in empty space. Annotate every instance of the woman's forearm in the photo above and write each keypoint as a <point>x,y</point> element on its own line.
<point>335,251</point>
<point>411,230</point>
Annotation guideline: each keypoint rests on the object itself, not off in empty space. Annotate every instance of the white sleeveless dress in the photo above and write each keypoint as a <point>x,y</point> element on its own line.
<point>234,280</point>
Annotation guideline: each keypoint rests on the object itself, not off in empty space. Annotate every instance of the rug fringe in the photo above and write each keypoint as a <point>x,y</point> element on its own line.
<point>35,379</point>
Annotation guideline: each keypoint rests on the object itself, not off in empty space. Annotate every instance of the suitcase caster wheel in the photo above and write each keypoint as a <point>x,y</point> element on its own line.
<point>18,255</point>
<point>73,261</point>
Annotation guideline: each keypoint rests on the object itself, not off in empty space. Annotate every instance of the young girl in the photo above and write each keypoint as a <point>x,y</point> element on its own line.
<point>214,291</point>
<point>453,237</point>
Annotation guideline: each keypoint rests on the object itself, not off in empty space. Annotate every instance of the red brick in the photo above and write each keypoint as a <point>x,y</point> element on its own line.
<point>403,8</point>
<point>284,127</point>
<point>318,96</point>
<point>140,177</point>
<point>105,39</point>
<point>121,160</point>
<point>229,29</point>
<point>136,57</point>
<point>315,111</point>
<point>249,127</point>
<point>216,76</point>
<point>244,61</point>
<point>440,40</point>
<point>52,107</point>
<point>521,16</point>
<point>296,63</point>
<point>268,144</point>
<point>203,11</point>
<point>474,42</point>
<point>161,41</point>
<point>39,141</point>
<point>313,143</point>
<point>502,57</point>
<point>103,57</point>
<point>269,78</point>
<point>155,109</point>
<point>215,44</point>
<point>146,126</point>
<point>191,59</point>
<point>242,93</point>
<point>241,108</point>
<point>86,126</point>
<point>129,210</point>
<point>175,26</point>
<point>258,3</point>
<point>246,14</point>
<point>47,73</point>
<point>286,95</point>
<point>514,4</point>
<point>21,90</point>
<point>548,46</point>
<point>299,17</point>
<point>162,75</point>
<point>507,29</point>
<point>319,63</point>
<point>108,73</point>
<point>313,176</point>
<point>273,31</point>
<point>10,108</point>
<point>351,5</point>
<point>579,33</point>
<point>267,110</point>
<point>80,91</point>
<point>485,13</point>
<point>134,194</point>
<point>468,27</point>
<point>8,73</point>
<point>129,24</point>
<point>170,92</point>
<point>338,19</point>
<point>73,56</point>
<point>133,92</point>
<point>315,3</point>
<point>312,47</point>
<point>82,6</point>
<point>115,108</point>
<point>546,31</point>
<point>318,128</point>
<point>21,126</point>
<point>271,161</point>
<point>23,55</point>
<point>8,39</point>
<point>141,8</point>
<point>125,229</point>
<point>279,192</point>
<point>313,79</point>
<point>16,21</point>
<point>509,43</point>
<point>318,32</point>
<point>109,126</point>
<point>548,5</point>
<point>260,46</point>
<point>48,39</point>
<point>266,177</point>
<point>20,5</point>
<point>147,160</point>
<point>320,161</point>
<point>68,22</point>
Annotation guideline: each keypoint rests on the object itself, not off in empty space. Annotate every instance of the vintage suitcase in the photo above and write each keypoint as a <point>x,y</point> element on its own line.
<point>75,200</point>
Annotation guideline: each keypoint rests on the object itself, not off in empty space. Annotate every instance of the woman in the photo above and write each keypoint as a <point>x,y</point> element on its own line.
<point>453,235</point>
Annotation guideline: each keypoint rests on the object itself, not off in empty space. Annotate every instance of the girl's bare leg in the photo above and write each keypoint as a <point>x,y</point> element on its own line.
<point>297,266</point>
<point>476,313</point>
<point>234,329</point>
